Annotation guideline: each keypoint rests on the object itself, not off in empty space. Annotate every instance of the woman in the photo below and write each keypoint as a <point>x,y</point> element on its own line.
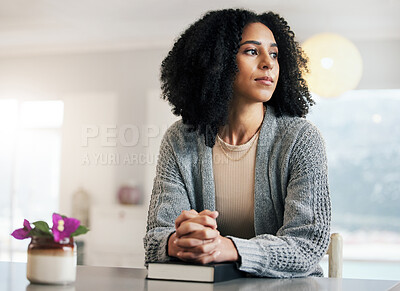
<point>243,176</point>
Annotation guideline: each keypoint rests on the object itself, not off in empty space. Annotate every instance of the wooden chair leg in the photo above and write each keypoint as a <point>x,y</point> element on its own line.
<point>335,253</point>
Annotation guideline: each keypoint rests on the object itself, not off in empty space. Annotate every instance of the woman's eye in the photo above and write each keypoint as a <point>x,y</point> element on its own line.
<point>274,55</point>
<point>252,52</point>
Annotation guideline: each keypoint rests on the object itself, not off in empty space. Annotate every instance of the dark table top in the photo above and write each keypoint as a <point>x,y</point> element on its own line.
<point>13,278</point>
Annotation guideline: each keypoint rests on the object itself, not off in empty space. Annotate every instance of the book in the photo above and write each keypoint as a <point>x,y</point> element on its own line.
<point>160,285</point>
<point>182,271</point>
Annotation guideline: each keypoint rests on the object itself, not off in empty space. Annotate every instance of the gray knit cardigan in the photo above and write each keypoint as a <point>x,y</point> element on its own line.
<point>292,210</point>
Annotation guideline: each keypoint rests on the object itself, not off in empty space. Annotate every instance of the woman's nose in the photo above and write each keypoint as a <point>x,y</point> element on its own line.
<point>266,63</point>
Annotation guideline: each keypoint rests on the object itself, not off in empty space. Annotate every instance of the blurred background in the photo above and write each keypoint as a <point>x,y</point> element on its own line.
<point>81,119</point>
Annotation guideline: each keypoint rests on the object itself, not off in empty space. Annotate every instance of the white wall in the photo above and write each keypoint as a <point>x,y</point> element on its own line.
<point>88,161</point>
<point>99,89</point>
<point>381,61</point>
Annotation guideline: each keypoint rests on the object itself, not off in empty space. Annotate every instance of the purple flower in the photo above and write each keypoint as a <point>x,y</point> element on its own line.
<point>63,226</point>
<point>22,233</point>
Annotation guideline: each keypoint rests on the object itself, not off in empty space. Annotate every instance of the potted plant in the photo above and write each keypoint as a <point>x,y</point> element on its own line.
<point>52,253</point>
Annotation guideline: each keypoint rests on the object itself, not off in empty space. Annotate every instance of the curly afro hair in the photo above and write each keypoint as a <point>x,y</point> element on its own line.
<point>198,73</point>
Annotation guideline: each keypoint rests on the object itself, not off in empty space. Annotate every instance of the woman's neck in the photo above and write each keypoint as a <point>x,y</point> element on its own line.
<point>243,122</point>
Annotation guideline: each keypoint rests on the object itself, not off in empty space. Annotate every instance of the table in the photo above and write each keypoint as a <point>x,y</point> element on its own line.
<point>13,278</point>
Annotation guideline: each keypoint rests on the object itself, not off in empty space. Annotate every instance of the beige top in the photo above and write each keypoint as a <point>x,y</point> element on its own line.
<point>234,174</point>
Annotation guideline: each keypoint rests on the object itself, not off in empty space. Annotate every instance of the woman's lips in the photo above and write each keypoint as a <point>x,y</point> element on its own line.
<point>267,81</point>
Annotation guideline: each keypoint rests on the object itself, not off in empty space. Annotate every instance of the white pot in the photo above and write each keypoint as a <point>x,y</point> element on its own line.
<point>50,262</point>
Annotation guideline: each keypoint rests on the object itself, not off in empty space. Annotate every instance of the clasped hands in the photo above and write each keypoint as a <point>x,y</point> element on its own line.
<point>197,239</point>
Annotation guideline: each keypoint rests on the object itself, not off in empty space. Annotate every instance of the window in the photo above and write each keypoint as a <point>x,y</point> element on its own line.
<point>30,148</point>
<point>362,134</point>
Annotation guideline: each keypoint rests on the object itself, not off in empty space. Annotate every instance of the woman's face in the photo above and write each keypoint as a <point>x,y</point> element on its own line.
<point>257,60</point>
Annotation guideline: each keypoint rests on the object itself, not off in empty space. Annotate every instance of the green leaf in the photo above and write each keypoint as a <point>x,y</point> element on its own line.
<point>42,226</point>
<point>81,230</point>
<point>37,233</point>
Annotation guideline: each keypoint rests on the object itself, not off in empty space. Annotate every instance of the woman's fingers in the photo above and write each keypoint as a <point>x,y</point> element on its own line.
<point>196,230</point>
<point>203,220</point>
<point>184,224</point>
<point>199,258</point>
<point>173,248</point>
<point>189,243</point>
<point>187,228</point>
<point>212,214</point>
<point>206,214</point>
<point>185,215</point>
<point>221,249</point>
<point>198,246</point>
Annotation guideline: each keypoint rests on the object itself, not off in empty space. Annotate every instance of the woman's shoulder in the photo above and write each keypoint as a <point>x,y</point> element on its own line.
<point>298,128</point>
<point>176,128</point>
<point>295,123</point>
<point>180,134</point>
<point>286,124</point>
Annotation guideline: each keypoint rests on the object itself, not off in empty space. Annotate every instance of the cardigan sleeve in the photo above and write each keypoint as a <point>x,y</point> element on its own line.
<point>168,199</point>
<point>303,239</point>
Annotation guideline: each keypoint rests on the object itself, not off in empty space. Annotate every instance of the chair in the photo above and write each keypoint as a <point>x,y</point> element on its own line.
<point>335,253</point>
